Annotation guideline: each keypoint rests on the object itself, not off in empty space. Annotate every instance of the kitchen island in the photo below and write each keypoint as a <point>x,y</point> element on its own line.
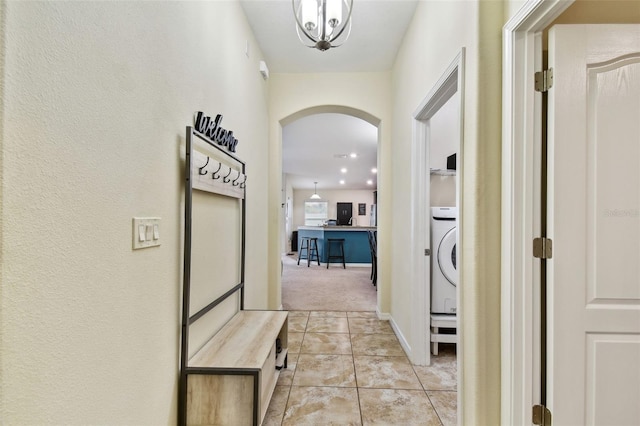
<point>356,241</point>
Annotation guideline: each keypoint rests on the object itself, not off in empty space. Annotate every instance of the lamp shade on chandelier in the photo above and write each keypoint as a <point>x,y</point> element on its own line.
<point>323,24</point>
<point>315,195</point>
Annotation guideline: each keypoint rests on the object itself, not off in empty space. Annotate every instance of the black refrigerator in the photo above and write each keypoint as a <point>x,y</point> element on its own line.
<point>344,213</point>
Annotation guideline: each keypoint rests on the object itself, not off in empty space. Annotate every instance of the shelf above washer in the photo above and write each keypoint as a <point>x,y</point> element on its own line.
<point>443,172</point>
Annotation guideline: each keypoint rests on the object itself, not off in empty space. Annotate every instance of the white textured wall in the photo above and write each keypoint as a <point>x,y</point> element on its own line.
<point>511,7</point>
<point>444,133</point>
<point>95,100</point>
<point>438,32</point>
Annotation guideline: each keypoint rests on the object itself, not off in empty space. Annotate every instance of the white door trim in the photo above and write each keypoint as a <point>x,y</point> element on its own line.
<point>520,171</point>
<point>450,83</point>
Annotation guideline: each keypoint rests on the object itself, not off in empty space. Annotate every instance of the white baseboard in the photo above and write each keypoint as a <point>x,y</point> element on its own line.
<point>403,341</point>
<point>401,338</point>
<point>382,316</point>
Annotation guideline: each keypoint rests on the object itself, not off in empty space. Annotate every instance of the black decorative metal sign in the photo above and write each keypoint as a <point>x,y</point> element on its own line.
<point>212,129</point>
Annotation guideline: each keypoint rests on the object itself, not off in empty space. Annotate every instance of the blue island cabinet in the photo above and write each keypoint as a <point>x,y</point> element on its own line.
<point>356,241</point>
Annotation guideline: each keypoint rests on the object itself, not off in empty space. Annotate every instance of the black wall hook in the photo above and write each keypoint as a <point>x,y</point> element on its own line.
<point>214,175</point>
<point>235,181</point>
<point>200,169</point>
<point>224,179</point>
<point>242,184</point>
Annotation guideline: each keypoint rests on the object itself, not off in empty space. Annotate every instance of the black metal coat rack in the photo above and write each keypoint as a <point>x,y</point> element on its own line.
<point>218,178</point>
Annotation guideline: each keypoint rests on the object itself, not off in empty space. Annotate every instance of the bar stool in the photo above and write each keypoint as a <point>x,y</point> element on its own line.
<point>339,242</point>
<point>374,256</point>
<point>311,250</point>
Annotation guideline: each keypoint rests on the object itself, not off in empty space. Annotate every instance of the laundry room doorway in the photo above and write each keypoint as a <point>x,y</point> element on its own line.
<point>436,179</point>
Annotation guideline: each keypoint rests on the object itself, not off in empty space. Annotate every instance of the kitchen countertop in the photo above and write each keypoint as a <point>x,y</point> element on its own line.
<point>336,228</point>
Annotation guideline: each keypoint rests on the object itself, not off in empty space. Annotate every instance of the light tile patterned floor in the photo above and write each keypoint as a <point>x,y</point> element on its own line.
<point>348,368</point>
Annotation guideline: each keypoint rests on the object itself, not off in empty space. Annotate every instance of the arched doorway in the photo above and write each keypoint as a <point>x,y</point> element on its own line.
<point>281,219</point>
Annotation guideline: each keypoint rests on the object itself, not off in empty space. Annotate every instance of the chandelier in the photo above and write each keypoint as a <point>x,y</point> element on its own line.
<point>320,23</point>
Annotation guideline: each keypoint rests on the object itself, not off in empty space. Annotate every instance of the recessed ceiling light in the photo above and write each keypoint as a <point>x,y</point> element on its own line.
<point>374,170</point>
<point>342,182</point>
<point>353,155</point>
<point>369,182</point>
<point>343,170</point>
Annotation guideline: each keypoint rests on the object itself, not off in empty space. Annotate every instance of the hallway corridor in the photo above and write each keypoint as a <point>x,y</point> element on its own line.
<point>348,368</point>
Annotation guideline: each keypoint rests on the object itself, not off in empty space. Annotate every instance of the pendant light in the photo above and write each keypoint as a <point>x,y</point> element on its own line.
<point>320,23</point>
<point>315,195</point>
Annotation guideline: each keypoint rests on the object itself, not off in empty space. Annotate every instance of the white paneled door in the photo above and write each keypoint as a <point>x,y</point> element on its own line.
<point>594,222</point>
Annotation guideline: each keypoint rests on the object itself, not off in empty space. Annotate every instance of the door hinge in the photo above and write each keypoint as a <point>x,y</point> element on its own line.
<point>541,415</point>
<point>427,252</point>
<point>544,80</point>
<point>542,248</point>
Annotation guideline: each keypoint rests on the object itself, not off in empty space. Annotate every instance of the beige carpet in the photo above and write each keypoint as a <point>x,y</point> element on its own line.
<point>317,288</point>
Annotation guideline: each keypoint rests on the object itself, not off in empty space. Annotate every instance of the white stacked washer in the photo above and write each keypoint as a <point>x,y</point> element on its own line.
<point>444,272</point>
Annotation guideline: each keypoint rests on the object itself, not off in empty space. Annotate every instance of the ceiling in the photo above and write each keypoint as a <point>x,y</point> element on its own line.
<point>378,27</point>
<point>318,147</point>
<point>309,144</point>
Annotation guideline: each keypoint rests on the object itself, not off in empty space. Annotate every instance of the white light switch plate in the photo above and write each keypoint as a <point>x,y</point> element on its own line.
<point>147,232</point>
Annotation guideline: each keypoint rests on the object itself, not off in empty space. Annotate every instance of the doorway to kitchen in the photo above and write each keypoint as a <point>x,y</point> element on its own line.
<point>329,157</point>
